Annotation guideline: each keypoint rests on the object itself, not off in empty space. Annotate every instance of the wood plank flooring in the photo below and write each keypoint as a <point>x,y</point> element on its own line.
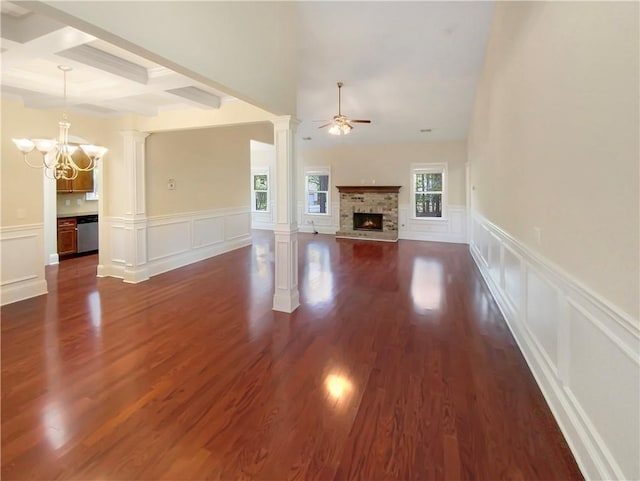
<point>397,366</point>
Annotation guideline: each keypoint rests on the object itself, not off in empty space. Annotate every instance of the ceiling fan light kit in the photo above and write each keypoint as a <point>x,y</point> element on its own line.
<point>341,124</point>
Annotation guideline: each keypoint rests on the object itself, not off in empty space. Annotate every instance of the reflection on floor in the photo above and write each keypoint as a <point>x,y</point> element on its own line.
<point>397,365</point>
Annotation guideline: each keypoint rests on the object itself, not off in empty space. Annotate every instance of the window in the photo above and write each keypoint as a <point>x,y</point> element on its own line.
<point>317,191</point>
<point>428,191</point>
<point>260,191</point>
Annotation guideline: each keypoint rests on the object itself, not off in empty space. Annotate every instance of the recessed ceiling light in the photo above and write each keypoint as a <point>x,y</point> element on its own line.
<point>425,130</point>
<point>306,138</point>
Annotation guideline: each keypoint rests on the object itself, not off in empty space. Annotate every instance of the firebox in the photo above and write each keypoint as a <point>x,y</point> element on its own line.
<point>362,221</point>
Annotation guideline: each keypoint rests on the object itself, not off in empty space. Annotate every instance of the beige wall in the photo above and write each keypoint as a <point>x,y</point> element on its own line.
<point>554,138</point>
<point>22,187</point>
<point>389,164</point>
<point>211,168</point>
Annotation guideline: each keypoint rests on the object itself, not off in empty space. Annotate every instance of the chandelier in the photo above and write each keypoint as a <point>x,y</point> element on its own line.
<point>57,155</point>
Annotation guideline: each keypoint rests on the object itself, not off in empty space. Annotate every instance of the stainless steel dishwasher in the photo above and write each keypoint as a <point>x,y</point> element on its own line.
<point>87,233</point>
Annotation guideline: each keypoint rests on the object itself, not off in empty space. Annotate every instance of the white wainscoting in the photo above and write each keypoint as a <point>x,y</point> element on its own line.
<point>451,229</point>
<point>22,267</point>
<point>264,220</point>
<point>582,350</point>
<point>324,224</point>
<point>177,240</point>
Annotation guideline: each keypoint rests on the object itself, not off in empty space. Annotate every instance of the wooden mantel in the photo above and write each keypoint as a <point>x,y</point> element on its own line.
<point>359,189</point>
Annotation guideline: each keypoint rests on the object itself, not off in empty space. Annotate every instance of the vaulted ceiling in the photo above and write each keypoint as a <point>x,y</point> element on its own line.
<point>407,66</point>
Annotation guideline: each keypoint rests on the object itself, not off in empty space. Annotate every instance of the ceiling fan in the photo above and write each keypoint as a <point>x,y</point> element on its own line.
<point>341,124</point>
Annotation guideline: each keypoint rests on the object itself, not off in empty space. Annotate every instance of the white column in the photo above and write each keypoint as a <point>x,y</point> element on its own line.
<point>286,296</point>
<point>135,215</point>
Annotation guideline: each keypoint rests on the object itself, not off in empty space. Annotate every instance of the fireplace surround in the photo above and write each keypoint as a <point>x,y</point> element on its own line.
<point>369,212</point>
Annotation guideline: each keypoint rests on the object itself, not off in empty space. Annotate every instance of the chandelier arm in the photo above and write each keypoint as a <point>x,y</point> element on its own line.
<point>55,158</point>
<point>75,166</point>
<point>24,157</point>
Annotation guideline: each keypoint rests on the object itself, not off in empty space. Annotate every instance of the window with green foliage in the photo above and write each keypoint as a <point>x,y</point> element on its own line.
<point>317,192</point>
<point>260,191</point>
<point>428,191</point>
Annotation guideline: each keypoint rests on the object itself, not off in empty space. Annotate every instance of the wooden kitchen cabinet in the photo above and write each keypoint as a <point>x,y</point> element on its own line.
<point>84,181</point>
<point>67,236</point>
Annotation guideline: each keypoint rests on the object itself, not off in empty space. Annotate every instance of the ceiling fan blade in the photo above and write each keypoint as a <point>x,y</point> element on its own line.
<point>361,121</point>
<point>325,125</point>
<point>325,120</point>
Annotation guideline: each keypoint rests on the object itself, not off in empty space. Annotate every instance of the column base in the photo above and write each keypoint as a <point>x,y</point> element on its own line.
<point>286,297</point>
<point>286,302</point>
<point>133,276</point>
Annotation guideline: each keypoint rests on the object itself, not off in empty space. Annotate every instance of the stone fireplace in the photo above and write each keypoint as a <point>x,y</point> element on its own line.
<point>369,212</point>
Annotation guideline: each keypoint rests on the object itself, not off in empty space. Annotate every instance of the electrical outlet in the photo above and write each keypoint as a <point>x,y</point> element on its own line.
<point>78,201</point>
<point>67,202</point>
<point>21,213</point>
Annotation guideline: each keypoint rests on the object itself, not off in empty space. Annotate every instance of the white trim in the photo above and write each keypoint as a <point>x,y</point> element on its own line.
<point>429,168</point>
<point>22,273</point>
<point>559,351</point>
<point>176,240</point>
<point>324,170</point>
<point>260,171</point>
<point>453,229</point>
<point>325,224</point>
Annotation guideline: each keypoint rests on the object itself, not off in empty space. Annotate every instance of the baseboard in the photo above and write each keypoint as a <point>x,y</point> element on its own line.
<point>197,254</point>
<point>262,226</point>
<point>19,291</point>
<point>429,237</point>
<point>582,351</point>
<point>320,229</point>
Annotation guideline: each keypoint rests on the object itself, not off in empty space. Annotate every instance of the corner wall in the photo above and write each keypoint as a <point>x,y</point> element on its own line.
<point>553,153</point>
<point>208,210</point>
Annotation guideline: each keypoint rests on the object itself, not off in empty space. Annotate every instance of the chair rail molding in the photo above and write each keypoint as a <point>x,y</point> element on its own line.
<point>583,351</point>
<point>177,240</point>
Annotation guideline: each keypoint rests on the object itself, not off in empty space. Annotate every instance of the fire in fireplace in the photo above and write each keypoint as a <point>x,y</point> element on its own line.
<point>362,221</point>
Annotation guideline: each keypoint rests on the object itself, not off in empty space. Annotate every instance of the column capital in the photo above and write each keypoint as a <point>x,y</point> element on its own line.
<point>134,134</point>
<point>285,122</point>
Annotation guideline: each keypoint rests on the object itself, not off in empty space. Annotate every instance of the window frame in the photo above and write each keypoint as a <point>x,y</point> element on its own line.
<point>254,173</point>
<point>429,168</point>
<point>317,171</point>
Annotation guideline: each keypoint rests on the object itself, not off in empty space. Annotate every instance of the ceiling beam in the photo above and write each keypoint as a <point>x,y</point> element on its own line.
<point>105,61</point>
<point>197,96</point>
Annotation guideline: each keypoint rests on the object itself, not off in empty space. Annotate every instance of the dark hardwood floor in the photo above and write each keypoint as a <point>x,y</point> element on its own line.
<point>397,365</point>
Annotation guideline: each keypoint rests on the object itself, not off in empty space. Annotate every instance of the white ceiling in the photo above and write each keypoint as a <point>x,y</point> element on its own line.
<point>406,66</point>
<point>105,81</point>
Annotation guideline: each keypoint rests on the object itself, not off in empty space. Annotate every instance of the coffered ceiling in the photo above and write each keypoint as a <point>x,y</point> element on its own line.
<point>407,66</point>
<point>105,81</point>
